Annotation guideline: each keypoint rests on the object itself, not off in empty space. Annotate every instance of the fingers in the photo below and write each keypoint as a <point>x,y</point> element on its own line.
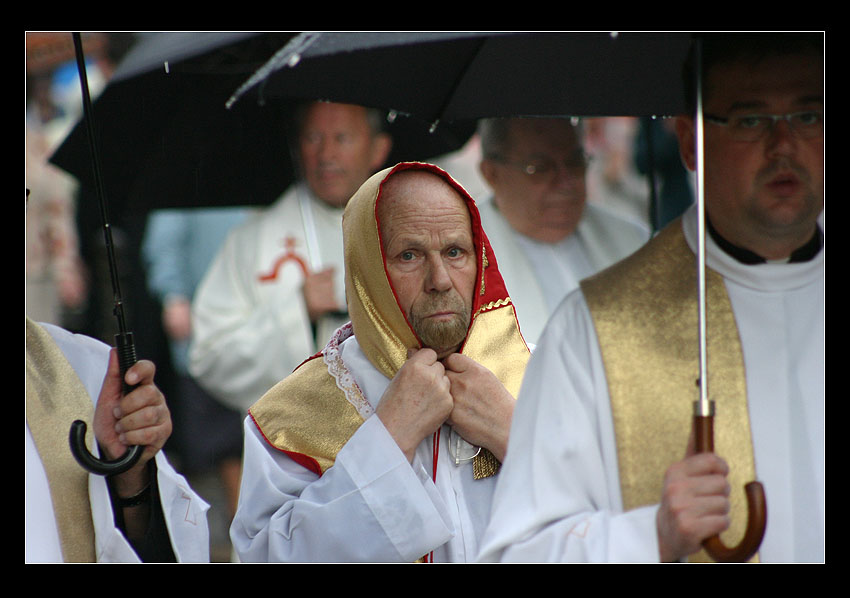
<point>458,362</point>
<point>694,505</point>
<point>141,372</point>
<point>701,464</point>
<point>142,416</point>
<point>424,355</point>
<point>417,401</point>
<point>111,388</point>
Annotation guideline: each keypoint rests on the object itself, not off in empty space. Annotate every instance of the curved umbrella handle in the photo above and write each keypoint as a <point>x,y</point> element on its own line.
<point>81,453</point>
<point>77,435</point>
<point>756,506</point>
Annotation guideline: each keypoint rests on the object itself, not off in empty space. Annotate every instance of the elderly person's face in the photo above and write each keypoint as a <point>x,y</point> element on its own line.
<point>539,184</point>
<point>426,235</point>
<point>339,150</point>
<point>771,186</point>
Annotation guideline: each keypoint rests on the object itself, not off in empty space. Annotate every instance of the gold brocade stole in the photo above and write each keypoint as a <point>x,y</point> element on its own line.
<point>55,397</point>
<point>645,314</point>
<point>308,416</point>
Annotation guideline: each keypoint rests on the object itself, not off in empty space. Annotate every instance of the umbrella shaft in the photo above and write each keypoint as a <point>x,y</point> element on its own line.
<point>701,300</point>
<point>107,230</point>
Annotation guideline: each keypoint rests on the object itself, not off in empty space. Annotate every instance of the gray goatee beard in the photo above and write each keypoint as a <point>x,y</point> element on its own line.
<point>440,335</point>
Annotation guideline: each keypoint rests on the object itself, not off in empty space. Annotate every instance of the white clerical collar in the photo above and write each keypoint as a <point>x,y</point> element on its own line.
<point>763,277</point>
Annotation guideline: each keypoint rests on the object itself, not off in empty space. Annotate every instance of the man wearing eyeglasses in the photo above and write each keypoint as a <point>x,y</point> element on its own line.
<point>546,234</point>
<point>604,417</point>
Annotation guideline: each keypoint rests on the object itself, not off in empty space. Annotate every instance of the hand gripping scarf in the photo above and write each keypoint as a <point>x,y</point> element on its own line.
<point>308,415</point>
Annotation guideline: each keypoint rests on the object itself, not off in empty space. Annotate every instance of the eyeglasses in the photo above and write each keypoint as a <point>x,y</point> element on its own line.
<point>752,127</point>
<point>544,169</point>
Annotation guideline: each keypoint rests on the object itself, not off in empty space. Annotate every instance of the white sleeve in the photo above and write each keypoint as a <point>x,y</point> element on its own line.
<point>183,510</point>
<point>245,340</point>
<point>371,506</point>
<point>558,496</point>
<point>185,515</point>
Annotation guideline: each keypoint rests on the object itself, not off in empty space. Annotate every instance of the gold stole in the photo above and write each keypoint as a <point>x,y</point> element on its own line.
<point>55,397</point>
<point>645,315</point>
<point>307,416</point>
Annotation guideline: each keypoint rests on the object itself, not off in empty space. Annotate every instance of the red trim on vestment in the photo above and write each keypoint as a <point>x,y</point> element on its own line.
<point>303,460</point>
<point>311,358</point>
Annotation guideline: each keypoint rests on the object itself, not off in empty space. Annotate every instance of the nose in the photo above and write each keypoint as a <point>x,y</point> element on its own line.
<point>569,174</point>
<point>781,139</point>
<point>437,278</point>
<point>325,148</point>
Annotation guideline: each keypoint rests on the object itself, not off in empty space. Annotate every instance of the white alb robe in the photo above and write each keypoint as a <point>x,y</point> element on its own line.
<point>251,333</point>
<point>539,275</point>
<point>371,506</point>
<point>184,511</point>
<point>558,497</point>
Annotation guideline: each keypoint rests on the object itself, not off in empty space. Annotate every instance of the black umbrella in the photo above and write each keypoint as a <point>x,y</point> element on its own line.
<point>450,76</point>
<point>164,135</point>
<point>168,140</point>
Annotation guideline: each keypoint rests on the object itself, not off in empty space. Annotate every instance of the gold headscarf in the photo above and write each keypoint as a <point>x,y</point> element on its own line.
<point>287,415</point>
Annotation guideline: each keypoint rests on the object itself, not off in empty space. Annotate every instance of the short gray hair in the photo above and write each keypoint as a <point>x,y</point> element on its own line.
<point>495,134</point>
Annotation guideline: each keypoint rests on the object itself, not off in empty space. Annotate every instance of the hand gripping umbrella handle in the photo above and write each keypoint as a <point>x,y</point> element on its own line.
<point>77,437</point>
<point>756,506</point>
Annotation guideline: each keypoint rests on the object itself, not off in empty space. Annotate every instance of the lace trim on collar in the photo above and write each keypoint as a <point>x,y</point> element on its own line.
<point>340,372</point>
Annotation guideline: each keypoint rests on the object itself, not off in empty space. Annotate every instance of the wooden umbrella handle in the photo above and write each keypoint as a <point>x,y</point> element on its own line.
<point>756,506</point>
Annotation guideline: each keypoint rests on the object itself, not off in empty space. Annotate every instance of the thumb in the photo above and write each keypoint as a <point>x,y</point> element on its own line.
<point>112,387</point>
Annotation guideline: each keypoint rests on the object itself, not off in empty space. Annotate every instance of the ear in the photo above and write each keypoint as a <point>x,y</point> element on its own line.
<point>382,144</point>
<point>489,172</point>
<point>687,141</point>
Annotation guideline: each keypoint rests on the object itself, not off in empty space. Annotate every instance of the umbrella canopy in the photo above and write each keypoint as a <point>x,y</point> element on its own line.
<point>451,76</point>
<point>166,138</point>
<point>160,114</point>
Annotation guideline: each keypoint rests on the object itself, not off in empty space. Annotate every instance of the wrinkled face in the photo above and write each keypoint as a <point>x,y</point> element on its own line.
<point>539,185</point>
<point>426,236</point>
<point>338,150</point>
<point>773,186</point>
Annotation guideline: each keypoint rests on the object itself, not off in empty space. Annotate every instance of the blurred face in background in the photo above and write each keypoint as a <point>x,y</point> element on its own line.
<point>538,180</point>
<point>339,150</point>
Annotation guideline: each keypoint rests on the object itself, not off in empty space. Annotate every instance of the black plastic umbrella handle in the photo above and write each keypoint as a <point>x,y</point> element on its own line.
<point>91,463</point>
<point>77,435</point>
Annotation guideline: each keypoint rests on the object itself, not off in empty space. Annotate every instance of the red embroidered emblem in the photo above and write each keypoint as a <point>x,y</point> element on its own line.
<point>289,254</point>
